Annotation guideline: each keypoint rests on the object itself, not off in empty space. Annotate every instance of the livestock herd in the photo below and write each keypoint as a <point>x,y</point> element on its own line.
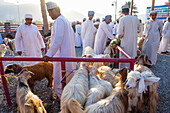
<point>94,88</point>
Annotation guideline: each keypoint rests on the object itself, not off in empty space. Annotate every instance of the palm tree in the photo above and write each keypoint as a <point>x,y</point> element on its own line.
<point>44,16</point>
<point>134,12</point>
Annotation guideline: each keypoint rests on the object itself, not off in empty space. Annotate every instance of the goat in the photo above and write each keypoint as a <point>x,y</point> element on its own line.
<point>3,50</point>
<point>143,60</point>
<point>89,51</point>
<point>116,102</point>
<point>98,88</point>
<point>105,73</point>
<point>10,45</point>
<point>140,45</point>
<point>142,88</point>
<point>41,70</point>
<point>27,101</point>
<point>76,89</point>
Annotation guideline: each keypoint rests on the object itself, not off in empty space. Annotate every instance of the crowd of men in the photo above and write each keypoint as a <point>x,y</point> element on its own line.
<point>65,37</point>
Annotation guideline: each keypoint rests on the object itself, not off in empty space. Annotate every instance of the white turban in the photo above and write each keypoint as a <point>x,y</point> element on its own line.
<point>91,12</point>
<point>51,5</point>
<point>96,23</point>
<point>28,16</point>
<point>125,6</point>
<point>153,12</point>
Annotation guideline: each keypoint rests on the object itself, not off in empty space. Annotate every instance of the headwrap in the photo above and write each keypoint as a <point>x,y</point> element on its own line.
<point>84,19</point>
<point>96,23</point>
<point>91,12</point>
<point>97,19</point>
<point>108,16</point>
<point>125,7</point>
<point>28,16</point>
<point>51,5</point>
<point>153,12</point>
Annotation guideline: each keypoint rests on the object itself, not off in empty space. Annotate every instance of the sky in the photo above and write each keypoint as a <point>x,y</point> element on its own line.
<point>99,6</point>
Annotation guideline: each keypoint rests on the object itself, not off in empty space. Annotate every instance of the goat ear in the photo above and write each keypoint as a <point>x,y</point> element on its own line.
<point>141,87</point>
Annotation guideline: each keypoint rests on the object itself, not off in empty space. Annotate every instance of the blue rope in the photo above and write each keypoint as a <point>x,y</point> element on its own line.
<point>68,75</point>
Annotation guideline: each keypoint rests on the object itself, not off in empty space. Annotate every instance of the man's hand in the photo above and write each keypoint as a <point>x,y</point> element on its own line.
<point>19,53</point>
<point>45,58</point>
<point>42,49</point>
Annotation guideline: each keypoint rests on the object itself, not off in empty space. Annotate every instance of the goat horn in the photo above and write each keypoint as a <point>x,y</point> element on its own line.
<point>146,58</point>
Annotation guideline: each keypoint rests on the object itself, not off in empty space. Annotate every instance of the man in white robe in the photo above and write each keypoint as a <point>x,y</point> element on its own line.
<point>87,31</point>
<point>152,34</point>
<point>78,39</point>
<point>127,32</point>
<point>111,25</point>
<point>114,31</point>
<point>103,32</point>
<point>28,40</point>
<point>141,25</point>
<point>62,45</point>
<point>96,26</point>
<point>163,47</point>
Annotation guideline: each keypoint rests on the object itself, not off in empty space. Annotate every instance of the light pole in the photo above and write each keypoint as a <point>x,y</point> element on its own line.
<point>18,11</point>
<point>115,3</point>
<point>131,7</point>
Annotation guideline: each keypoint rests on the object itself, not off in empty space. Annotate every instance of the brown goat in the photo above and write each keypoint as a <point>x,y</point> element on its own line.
<point>41,70</point>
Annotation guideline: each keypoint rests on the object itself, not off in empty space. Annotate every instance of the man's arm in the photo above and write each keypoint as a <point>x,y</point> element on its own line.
<point>120,31</point>
<point>58,38</point>
<point>108,34</point>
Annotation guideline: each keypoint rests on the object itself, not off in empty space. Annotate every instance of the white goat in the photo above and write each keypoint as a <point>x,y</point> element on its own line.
<point>142,88</point>
<point>76,89</point>
<point>116,102</point>
<point>107,74</point>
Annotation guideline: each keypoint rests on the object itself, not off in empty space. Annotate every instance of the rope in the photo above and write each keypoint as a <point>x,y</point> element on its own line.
<point>9,69</point>
<point>65,76</point>
<point>7,79</point>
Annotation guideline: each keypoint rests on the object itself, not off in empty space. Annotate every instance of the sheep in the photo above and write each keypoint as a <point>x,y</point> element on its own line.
<point>142,88</point>
<point>116,102</point>
<point>105,73</point>
<point>76,89</point>
<point>3,50</point>
<point>41,70</point>
<point>27,101</point>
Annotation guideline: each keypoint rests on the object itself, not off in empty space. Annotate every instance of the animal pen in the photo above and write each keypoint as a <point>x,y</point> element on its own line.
<point>117,60</point>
